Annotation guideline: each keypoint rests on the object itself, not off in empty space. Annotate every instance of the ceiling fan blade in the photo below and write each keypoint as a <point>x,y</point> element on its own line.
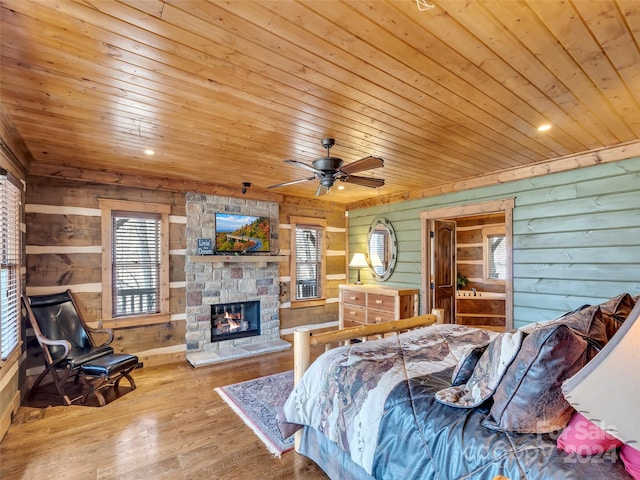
<point>366,163</point>
<point>291,183</point>
<point>364,181</point>
<point>304,165</point>
<point>321,190</point>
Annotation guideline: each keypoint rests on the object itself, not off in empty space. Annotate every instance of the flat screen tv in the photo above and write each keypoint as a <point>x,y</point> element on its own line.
<point>241,233</point>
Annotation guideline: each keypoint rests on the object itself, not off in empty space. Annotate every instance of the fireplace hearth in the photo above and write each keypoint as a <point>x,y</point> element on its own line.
<point>235,320</point>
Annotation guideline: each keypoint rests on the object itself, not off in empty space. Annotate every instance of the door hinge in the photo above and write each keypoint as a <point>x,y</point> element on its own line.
<point>432,286</point>
<point>432,234</point>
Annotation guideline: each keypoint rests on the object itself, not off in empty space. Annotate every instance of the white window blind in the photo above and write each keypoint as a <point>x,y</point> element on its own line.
<point>308,261</point>
<point>136,263</point>
<point>497,257</point>
<point>9,266</point>
<point>379,251</point>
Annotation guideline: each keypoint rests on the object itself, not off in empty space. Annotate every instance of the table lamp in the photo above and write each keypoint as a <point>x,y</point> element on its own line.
<point>358,261</point>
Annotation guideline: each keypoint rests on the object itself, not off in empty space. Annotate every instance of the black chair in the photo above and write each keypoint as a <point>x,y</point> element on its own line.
<point>70,350</point>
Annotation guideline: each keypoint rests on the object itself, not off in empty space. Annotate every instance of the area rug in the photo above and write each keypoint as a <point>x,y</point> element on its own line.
<point>257,402</point>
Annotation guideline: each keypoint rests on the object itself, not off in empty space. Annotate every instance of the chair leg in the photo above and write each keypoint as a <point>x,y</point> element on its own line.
<point>129,378</point>
<point>58,381</point>
<point>93,386</point>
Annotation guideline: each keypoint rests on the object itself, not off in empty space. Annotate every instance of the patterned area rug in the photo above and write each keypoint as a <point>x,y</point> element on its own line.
<point>257,402</point>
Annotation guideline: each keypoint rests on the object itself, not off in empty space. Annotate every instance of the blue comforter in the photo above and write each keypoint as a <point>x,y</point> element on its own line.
<point>374,404</point>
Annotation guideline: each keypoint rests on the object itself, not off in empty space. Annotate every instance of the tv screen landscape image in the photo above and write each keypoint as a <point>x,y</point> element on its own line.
<point>241,233</point>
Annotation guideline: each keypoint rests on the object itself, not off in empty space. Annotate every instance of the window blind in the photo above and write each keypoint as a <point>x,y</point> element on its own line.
<point>308,261</point>
<point>9,266</point>
<point>136,263</point>
<point>497,247</point>
<point>378,251</point>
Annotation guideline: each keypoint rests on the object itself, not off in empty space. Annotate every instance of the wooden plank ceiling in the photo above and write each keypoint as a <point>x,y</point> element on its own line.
<point>223,92</point>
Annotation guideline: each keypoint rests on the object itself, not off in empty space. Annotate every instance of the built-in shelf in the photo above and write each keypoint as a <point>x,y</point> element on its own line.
<point>238,258</point>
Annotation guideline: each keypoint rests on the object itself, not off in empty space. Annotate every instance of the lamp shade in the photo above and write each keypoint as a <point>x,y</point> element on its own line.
<point>607,390</point>
<point>358,261</point>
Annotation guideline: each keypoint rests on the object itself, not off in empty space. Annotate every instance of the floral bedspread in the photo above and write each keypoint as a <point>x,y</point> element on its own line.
<point>343,392</point>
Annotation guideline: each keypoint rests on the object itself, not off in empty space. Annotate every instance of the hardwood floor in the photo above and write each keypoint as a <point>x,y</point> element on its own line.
<point>173,426</point>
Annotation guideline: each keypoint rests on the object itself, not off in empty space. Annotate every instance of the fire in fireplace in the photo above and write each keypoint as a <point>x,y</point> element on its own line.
<point>235,320</point>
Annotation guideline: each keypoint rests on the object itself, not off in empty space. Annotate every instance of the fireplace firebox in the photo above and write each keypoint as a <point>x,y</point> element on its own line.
<point>235,320</point>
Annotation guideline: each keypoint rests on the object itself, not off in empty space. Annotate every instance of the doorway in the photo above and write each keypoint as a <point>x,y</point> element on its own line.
<point>440,250</point>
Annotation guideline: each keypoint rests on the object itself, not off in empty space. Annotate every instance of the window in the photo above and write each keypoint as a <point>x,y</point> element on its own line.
<point>307,260</point>
<point>135,262</point>
<point>10,255</point>
<point>495,253</point>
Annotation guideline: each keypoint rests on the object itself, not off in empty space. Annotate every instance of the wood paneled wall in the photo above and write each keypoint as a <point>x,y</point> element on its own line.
<point>64,251</point>
<point>336,261</point>
<point>63,246</point>
<point>470,250</point>
<point>576,236</point>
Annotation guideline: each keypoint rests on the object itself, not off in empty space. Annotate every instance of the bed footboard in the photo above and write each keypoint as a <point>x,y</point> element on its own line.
<point>303,339</point>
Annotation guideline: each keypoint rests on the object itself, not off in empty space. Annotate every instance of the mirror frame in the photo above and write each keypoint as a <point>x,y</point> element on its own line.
<point>394,248</point>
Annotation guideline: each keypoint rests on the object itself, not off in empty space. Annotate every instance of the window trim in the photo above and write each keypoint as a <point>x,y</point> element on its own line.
<point>320,223</point>
<point>107,207</point>
<point>491,231</point>
<point>13,355</point>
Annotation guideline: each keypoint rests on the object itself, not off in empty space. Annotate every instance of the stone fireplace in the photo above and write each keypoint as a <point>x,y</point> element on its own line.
<point>216,281</point>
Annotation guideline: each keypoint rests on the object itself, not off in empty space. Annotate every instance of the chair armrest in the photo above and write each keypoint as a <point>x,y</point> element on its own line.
<point>44,341</point>
<point>108,331</point>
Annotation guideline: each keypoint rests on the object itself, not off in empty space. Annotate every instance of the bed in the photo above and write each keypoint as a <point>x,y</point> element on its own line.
<point>448,401</point>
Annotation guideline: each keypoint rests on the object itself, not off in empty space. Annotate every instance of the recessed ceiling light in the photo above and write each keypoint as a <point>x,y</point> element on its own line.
<point>544,127</point>
<point>148,151</point>
<point>340,187</point>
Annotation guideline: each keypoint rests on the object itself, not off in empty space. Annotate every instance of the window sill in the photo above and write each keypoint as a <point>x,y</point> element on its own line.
<point>135,321</point>
<point>308,303</point>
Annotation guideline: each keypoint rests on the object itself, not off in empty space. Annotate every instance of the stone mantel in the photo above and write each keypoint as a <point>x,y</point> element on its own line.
<point>260,259</point>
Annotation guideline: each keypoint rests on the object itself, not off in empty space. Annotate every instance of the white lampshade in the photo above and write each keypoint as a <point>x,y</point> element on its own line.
<point>607,390</point>
<point>358,261</point>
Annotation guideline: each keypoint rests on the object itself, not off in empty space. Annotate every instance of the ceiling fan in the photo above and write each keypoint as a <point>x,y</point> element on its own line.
<point>329,169</point>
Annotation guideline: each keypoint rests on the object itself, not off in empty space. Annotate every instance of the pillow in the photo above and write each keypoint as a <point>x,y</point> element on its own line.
<point>589,322</point>
<point>486,374</point>
<point>631,459</point>
<point>615,312</point>
<point>466,364</point>
<point>529,397</point>
<point>585,438</point>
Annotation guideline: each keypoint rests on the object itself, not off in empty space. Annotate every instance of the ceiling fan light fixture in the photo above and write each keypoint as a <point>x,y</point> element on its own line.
<point>328,169</point>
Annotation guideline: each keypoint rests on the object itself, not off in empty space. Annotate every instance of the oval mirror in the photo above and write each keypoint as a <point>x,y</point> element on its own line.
<point>382,249</point>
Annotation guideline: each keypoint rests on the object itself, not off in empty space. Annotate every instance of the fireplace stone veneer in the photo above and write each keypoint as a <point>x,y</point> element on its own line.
<point>212,280</point>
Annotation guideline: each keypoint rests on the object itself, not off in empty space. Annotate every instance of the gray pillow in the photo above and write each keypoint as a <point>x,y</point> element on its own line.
<point>463,371</point>
<point>486,375</point>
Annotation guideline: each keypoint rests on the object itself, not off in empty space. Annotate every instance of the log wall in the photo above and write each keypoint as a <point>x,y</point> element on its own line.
<point>63,250</point>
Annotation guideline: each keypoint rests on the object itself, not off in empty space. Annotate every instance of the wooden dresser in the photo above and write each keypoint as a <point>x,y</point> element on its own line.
<point>365,304</point>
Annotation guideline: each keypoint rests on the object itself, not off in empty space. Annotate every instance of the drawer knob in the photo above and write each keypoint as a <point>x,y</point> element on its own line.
<point>379,302</point>
<point>378,319</point>
<point>353,298</point>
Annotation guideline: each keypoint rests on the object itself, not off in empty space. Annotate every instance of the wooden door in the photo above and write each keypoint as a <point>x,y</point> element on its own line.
<point>444,268</point>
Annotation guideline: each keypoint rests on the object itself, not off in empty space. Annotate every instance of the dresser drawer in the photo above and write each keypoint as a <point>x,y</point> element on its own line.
<point>352,313</point>
<point>381,302</point>
<point>352,297</point>
<point>378,316</point>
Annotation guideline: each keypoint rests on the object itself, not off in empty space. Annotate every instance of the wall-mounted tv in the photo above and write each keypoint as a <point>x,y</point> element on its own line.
<point>241,233</point>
